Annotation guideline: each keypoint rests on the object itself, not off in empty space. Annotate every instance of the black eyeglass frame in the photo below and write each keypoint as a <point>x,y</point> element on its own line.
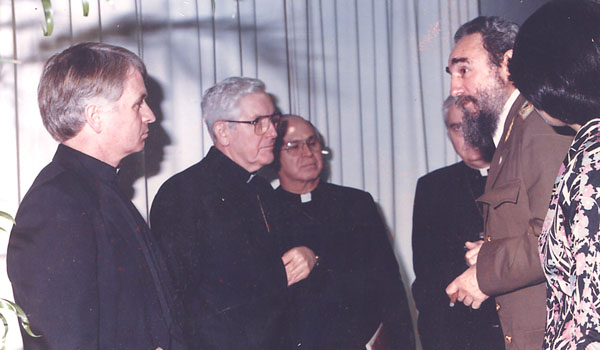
<point>273,118</point>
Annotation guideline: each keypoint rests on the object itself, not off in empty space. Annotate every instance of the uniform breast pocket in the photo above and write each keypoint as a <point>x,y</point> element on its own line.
<point>507,192</point>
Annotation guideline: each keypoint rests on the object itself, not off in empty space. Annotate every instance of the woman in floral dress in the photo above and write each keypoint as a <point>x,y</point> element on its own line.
<point>556,66</point>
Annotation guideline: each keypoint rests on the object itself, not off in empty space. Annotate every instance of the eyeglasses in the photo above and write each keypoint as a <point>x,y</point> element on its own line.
<point>296,147</point>
<point>261,123</point>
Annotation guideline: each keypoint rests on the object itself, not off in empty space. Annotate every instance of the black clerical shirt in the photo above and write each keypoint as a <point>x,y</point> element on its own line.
<point>84,266</point>
<point>218,227</point>
<point>357,285</point>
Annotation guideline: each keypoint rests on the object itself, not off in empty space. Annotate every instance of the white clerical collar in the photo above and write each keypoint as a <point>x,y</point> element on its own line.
<point>484,171</point>
<point>502,118</point>
<point>305,197</point>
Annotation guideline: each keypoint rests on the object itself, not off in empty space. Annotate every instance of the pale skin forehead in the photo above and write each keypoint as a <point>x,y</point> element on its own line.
<point>255,104</point>
<point>297,129</point>
<point>467,50</point>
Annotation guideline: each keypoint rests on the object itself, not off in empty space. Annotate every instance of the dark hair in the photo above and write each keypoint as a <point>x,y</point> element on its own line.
<point>556,60</point>
<point>498,35</point>
<point>74,77</point>
<point>282,131</point>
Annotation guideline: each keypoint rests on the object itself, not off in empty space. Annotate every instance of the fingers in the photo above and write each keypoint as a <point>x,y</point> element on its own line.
<point>287,257</point>
<point>472,252</point>
<point>471,258</point>
<point>465,289</point>
<point>472,245</point>
<point>466,299</point>
<point>470,300</point>
<point>291,277</point>
<point>451,289</point>
<point>453,299</point>
<point>299,262</point>
<point>304,253</point>
<point>296,273</point>
<point>298,267</point>
<point>292,256</point>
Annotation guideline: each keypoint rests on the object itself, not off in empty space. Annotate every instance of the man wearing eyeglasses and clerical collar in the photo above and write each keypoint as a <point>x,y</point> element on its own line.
<point>219,227</point>
<point>355,296</point>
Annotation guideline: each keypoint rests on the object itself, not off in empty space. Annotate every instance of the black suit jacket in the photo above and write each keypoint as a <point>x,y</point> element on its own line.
<point>357,285</point>
<point>446,215</point>
<point>83,264</point>
<point>219,233</point>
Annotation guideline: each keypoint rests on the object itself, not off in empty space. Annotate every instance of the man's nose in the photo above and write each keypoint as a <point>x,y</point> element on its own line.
<point>147,114</point>
<point>456,87</point>
<point>306,150</point>
<point>271,131</point>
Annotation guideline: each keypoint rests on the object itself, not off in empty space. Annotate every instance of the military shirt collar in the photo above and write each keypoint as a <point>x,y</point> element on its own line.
<point>503,115</point>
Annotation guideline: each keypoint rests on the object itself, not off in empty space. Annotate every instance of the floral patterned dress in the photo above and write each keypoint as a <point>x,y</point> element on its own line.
<point>570,247</point>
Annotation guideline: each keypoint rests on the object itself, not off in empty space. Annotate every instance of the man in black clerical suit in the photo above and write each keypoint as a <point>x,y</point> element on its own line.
<point>220,228</point>
<point>81,259</point>
<point>357,285</point>
<point>446,218</point>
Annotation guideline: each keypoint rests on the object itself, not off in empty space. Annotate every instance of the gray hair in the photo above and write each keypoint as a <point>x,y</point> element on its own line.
<point>74,77</point>
<point>498,35</point>
<point>451,100</point>
<point>221,102</point>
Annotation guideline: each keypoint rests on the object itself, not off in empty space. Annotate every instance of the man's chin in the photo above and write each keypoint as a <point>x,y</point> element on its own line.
<point>478,163</point>
<point>138,148</point>
<point>266,159</point>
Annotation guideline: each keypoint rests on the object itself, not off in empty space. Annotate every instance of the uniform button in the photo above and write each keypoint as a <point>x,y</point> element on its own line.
<point>508,338</point>
<point>497,306</point>
<point>500,160</point>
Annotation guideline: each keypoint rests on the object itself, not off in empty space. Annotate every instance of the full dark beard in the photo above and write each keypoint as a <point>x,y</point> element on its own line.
<point>478,130</point>
<point>480,116</point>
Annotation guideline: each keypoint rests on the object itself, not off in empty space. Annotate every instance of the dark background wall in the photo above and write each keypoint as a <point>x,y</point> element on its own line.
<point>514,10</point>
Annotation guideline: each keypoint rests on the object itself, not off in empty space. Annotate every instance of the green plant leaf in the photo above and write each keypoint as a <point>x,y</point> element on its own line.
<point>7,216</point>
<point>5,322</point>
<point>86,7</point>
<point>49,18</point>
<point>9,305</point>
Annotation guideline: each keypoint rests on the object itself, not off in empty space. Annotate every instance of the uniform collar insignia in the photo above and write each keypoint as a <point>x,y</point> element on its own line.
<point>525,110</point>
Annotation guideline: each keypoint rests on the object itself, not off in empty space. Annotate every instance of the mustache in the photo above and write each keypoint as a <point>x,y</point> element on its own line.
<point>462,100</point>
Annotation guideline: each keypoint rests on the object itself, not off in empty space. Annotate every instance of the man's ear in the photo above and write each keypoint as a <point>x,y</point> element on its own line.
<point>504,73</point>
<point>222,133</point>
<point>93,117</point>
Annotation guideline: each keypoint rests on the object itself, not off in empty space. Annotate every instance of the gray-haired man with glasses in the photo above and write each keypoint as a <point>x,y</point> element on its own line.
<point>355,297</point>
<point>218,225</point>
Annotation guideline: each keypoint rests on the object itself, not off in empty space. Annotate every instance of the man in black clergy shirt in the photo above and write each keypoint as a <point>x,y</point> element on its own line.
<point>81,259</point>
<point>355,296</point>
<point>219,226</point>
<point>446,219</point>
